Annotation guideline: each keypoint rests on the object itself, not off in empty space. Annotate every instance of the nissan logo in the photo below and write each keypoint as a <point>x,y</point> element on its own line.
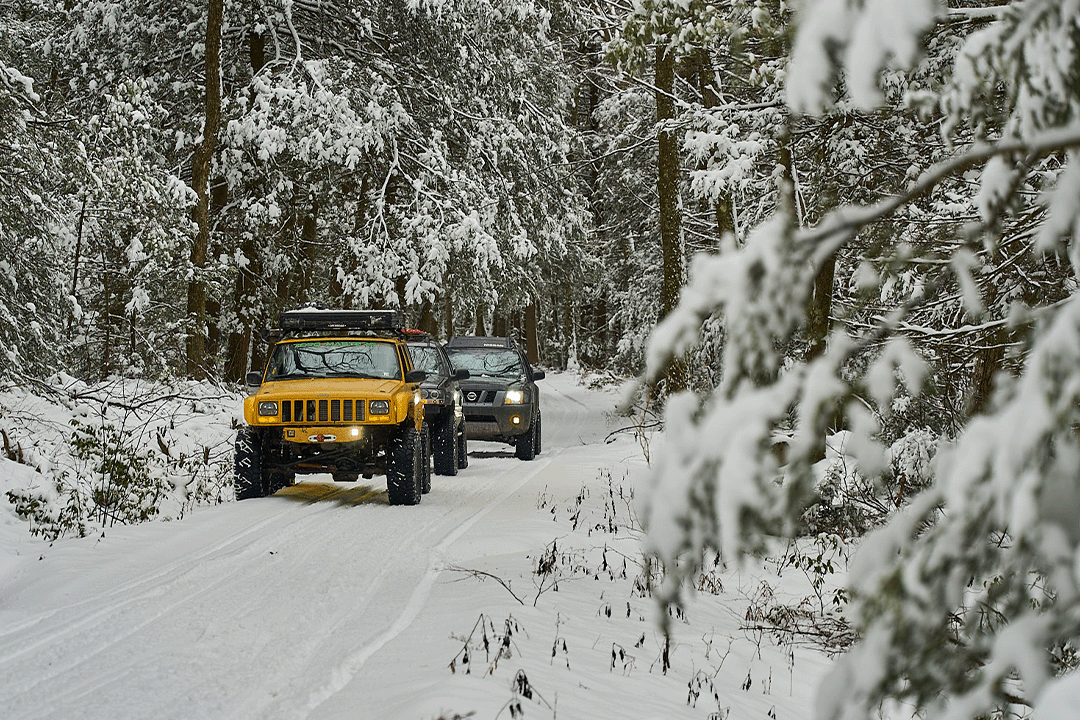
<point>472,396</point>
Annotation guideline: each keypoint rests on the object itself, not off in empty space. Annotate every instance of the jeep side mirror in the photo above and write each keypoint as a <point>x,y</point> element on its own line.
<point>462,374</point>
<point>538,375</point>
<point>253,379</point>
<point>415,376</point>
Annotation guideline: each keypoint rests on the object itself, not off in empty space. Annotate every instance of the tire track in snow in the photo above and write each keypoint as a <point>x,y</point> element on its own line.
<point>343,674</point>
<point>118,600</point>
<point>119,595</point>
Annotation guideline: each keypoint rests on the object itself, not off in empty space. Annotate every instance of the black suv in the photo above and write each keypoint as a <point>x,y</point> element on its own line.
<point>500,397</point>
<point>442,402</point>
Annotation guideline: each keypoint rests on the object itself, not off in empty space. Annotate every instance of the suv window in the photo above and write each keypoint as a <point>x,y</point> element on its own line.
<point>487,362</point>
<point>334,359</point>
<point>427,358</point>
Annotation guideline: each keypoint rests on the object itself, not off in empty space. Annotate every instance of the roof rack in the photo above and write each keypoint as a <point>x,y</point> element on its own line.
<point>316,322</point>
<point>475,342</point>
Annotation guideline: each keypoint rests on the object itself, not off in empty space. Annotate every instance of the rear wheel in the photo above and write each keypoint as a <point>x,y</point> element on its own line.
<point>403,474</point>
<point>425,461</point>
<point>277,479</point>
<point>247,465</point>
<point>445,446</point>
<point>463,447</point>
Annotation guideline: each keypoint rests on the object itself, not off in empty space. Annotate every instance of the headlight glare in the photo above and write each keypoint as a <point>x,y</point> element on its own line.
<point>268,408</point>
<point>379,407</point>
<point>514,397</point>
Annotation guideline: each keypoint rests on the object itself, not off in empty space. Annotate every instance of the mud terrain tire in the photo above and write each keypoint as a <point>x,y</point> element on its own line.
<point>538,433</point>
<point>526,444</point>
<point>462,450</point>
<point>247,465</point>
<point>425,461</point>
<point>403,476</point>
<point>445,447</point>
<point>278,479</point>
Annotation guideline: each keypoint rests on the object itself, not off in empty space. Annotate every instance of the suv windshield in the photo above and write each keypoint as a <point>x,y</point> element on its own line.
<point>482,362</point>
<point>426,358</point>
<point>333,359</point>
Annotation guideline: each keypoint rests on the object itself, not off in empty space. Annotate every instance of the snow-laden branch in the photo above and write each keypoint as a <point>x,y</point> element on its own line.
<point>840,225</point>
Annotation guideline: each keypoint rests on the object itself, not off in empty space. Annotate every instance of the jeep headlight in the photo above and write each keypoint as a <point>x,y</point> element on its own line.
<point>268,408</point>
<point>379,407</point>
<point>514,397</point>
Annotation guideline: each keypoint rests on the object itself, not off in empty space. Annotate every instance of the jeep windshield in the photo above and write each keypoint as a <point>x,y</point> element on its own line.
<point>485,362</point>
<point>334,359</point>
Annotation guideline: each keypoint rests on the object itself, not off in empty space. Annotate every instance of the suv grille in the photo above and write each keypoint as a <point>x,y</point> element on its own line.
<point>322,410</point>
<point>474,397</point>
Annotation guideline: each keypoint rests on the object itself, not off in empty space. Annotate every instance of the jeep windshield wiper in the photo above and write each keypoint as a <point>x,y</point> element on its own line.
<point>357,375</point>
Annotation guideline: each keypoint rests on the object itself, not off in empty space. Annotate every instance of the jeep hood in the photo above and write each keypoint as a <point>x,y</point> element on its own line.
<point>338,387</point>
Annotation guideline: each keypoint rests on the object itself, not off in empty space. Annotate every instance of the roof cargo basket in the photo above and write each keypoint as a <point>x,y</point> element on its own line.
<point>469,341</point>
<point>316,320</point>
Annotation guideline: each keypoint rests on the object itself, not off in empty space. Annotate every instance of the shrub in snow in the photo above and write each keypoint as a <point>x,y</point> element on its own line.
<point>120,452</point>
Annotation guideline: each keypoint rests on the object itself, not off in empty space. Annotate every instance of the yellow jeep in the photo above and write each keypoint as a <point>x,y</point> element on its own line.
<point>339,395</point>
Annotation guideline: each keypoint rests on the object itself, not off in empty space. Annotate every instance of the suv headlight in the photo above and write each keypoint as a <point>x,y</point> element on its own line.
<point>268,408</point>
<point>514,397</point>
<point>433,394</point>
<point>379,407</point>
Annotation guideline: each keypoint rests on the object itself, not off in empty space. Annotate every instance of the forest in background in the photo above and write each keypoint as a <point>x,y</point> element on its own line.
<point>539,169</point>
<point>837,224</point>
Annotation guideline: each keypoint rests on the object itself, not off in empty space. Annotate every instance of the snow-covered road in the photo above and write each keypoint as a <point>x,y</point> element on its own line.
<point>267,608</point>
<point>326,603</point>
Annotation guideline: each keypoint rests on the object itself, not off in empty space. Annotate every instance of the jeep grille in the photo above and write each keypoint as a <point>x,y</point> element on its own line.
<point>322,410</point>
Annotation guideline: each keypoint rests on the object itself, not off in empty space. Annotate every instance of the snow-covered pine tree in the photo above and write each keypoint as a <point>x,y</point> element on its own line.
<point>968,600</point>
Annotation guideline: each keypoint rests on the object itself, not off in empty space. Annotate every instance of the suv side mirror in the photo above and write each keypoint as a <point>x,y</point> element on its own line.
<point>538,375</point>
<point>415,376</point>
<point>462,374</point>
<point>253,379</point>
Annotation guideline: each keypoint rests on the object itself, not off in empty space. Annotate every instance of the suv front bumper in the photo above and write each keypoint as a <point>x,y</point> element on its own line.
<point>497,422</point>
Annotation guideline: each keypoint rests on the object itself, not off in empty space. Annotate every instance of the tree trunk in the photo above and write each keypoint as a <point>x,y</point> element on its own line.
<point>427,322</point>
<point>667,186</point>
<point>449,319</point>
<point>532,346</point>
<point>236,357</point>
<point>309,239</point>
<point>819,309</point>
<point>200,180</point>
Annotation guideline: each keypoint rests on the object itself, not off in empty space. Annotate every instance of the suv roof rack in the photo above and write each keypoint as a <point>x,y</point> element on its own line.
<point>297,322</point>
<point>472,342</point>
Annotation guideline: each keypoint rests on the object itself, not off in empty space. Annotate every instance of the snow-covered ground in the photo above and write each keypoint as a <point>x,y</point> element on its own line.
<point>515,589</point>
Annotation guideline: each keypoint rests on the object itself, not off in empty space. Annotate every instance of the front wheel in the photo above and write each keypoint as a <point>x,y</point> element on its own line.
<point>403,474</point>
<point>445,447</point>
<point>247,465</point>
<point>538,447</point>
<point>526,444</point>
